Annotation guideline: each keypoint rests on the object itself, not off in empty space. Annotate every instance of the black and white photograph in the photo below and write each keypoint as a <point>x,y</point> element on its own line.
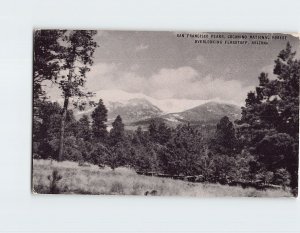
<point>143,116</point>
<point>165,113</point>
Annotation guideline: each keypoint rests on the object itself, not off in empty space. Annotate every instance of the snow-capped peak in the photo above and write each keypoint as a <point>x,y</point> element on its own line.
<point>166,105</point>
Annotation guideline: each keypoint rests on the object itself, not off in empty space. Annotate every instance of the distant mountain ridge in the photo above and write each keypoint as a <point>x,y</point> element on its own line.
<point>134,110</point>
<point>208,113</point>
<point>169,105</point>
<point>138,109</point>
<point>130,111</point>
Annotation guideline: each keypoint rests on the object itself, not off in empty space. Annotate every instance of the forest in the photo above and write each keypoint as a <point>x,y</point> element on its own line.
<point>258,150</point>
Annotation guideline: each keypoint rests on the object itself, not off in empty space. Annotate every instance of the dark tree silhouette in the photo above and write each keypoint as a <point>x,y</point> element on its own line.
<point>84,130</point>
<point>79,47</point>
<point>270,120</point>
<point>182,154</point>
<point>99,117</point>
<point>225,139</point>
<point>47,53</point>
<point>152,129</point>
<point>117,132</point>
<point>159,132</point>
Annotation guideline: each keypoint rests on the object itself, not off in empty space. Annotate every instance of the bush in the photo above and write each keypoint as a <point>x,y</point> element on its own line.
<point>54,178</point>
<point>282,177</point>
<point>99,153</point>
<point>117,188</point>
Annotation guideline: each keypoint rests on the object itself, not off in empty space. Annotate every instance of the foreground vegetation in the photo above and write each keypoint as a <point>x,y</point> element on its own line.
<point>90,179</point>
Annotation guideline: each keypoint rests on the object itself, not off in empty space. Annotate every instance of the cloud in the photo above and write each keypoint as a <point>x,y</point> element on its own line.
<point>111,76</point>
<point>168,83</point>
<point>103,69</point>
<point>101,76</point>
<point>200,59</point>
<point>185,82</point>
<point>141,47</point>
<point>134,67</point>
<point>182,82</point>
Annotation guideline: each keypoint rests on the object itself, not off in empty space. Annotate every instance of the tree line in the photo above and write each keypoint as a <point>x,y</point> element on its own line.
<point>261,146</point>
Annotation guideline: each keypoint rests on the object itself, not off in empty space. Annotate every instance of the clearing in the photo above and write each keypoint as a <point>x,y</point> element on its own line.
<point>91,179</point>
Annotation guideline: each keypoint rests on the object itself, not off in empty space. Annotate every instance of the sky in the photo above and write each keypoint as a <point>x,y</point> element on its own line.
<point>162,65</point>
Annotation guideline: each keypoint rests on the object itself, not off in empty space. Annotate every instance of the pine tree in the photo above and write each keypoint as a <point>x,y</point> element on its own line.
<point>164,133</point>
<point>47,53</point>
<point>137,138</point>
<point>225,139</point>
<point>77,57</point>
<point>99,117</point>
<point>152,129</point>
<point>84,130</point>
<point>117,132</point>
<point>159,132</point>
<point>270,120</point>
<point>182,153</point>
<point>139,133</point>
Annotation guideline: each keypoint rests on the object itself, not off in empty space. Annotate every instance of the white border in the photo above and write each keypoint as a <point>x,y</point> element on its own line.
<point>22,212</point>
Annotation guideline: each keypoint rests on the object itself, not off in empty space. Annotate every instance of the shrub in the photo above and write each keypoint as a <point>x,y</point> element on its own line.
<point>117,188</point>
<point>54,178</point>
<point>282,177</point>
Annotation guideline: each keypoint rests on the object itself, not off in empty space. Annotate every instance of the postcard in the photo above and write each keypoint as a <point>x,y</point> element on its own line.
<point>160,113</point>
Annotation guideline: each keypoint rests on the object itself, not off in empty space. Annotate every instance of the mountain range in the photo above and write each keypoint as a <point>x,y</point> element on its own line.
<point>139,109</point>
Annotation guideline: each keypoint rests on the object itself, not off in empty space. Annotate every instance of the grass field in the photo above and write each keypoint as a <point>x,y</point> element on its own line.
<point>91,179</point>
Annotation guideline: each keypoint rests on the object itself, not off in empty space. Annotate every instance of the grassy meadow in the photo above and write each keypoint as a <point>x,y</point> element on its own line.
<point>90,179</point>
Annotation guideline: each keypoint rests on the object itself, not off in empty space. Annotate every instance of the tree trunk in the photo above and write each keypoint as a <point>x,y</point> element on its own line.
<point>63,119</point>
<point>62,129</point>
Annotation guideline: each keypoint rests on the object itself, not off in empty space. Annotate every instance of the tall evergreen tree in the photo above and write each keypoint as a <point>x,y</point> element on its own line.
<point>84,130</point>
<point>41,125</point>
<point>225,139</point>
<point>182,154</point>
<point>270,121</point>
<point>159,132</point>
<point>117,132</point>
<point>99,117</point>
<point>152,129</point>
<point>47,56</point>
<point>164,133</point>
<point>79,47</point>
<point>137,137</point>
